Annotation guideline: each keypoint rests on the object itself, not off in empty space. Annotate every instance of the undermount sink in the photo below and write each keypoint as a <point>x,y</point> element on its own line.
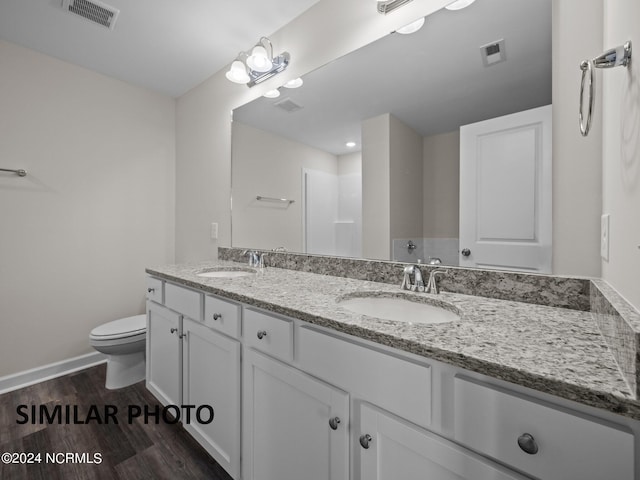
<point>400,308</point>
<point>226,272</point>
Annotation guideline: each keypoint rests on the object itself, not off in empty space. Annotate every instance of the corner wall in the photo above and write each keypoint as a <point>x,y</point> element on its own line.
<point>95,209</point>
<point>621,151</point>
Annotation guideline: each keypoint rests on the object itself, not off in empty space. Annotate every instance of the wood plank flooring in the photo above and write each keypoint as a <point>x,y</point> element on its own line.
<point>129,451</point>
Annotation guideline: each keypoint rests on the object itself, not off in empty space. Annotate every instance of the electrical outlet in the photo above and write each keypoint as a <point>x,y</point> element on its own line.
<point>604,237</point>
<point>214,231</point>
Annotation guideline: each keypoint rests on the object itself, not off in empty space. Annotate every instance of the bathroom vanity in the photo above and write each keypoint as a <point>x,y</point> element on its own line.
<point>303,388</point>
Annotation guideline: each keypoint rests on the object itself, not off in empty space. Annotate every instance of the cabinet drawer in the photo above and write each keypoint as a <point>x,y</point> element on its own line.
<point>397,385</point>
<point>268,334</point>
<point>183,300</point>
<point>154,290</point>
<point>491,421</point>
<point>222,315</point>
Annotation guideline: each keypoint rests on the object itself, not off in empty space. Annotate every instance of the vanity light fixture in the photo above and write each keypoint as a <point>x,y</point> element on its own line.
<point>412,27</point>
<point>275,93</point>
<point>295,83</point>
<point>388,6</point>
<point>257,65</point>
<point>459,4</point>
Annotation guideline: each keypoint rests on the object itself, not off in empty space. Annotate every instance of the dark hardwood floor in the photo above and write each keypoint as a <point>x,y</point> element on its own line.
<point>129,450</point>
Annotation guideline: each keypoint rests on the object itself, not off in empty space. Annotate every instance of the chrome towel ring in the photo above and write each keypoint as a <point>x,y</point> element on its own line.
<point>619,56</point>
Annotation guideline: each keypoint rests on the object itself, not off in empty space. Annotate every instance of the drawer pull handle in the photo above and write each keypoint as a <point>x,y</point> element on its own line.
<point>151,290</point>
<point>528,444</point>
<point>174,330</point>
<point>365,440</point>
<point>261,334</point>
<point>333,423</point>
<point>217,316</point>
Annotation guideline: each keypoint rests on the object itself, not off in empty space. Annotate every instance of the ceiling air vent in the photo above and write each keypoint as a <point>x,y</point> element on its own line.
<point>390,5</point>
<point>288,105</point>
<point>493,53</point>
<point>94,11</point>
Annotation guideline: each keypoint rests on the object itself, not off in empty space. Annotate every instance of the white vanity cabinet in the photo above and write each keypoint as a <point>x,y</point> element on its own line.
<point>316,404</point>
<point>295,426</point>
<point>392,448</point>
<point>164,350</point>
<point>189,363</point>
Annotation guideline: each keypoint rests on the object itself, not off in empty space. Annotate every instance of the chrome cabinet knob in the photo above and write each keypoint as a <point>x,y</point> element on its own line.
<point>333,423</point>
<point>465,252</point>
<point>217,316</point>
<point>365,440</point>
<point>174,330</point>
<point>261,334</point>
<point>528,444</point>
<point>151,290</point>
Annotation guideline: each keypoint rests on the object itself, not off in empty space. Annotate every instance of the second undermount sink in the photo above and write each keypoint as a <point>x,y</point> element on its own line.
<point>400,308</point>
<point>226,272</point>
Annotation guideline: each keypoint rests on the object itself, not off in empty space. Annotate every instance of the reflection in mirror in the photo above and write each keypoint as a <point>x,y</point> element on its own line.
<point>368,148</point>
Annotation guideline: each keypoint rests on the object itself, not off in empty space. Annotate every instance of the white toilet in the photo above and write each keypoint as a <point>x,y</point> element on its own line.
<point>123,341</point>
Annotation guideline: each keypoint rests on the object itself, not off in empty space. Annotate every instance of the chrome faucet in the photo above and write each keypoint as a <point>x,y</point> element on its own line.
<point>256,259</point>
<point>432,283</point>
<point>418,283</point>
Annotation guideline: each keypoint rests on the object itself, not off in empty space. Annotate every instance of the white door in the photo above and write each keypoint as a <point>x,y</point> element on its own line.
<point>393,449</point>
<point>505,192</point>
<point>288,424</point>
<point>211,376</point>
<point>163,354</point>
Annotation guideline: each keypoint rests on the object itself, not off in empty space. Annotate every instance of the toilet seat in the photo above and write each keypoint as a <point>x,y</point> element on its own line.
<point>124,329</point>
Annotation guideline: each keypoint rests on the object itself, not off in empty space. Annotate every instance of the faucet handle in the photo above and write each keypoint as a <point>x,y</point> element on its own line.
<point>432,284</point>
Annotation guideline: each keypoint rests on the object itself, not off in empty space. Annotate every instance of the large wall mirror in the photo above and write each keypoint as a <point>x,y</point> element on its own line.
<point>364,159</point>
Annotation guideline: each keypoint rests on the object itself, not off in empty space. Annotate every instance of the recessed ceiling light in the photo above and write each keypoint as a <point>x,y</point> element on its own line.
<point>350,144</point>
<point>275,93</point>
<point>459,5</point>
<point>411,27</point>
<point>295,83</point>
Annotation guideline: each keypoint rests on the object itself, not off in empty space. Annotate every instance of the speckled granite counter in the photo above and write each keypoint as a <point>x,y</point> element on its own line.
<point>549,349</point>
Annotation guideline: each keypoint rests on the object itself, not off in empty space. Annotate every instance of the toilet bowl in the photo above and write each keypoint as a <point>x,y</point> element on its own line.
<point>123,341</point>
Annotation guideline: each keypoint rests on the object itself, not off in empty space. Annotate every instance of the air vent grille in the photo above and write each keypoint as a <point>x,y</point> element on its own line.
<point>94,11</point>
<point>493,53</point>
<point>288,105</point>
<point>390,5</point>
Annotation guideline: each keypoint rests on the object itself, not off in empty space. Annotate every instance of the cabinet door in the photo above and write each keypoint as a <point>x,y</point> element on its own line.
<point>211,376</point>
<point>392,449</point>
<point>288,424</point>
<point>163,354</point>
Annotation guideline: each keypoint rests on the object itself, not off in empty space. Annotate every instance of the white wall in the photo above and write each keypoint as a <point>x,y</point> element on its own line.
<point>577,177</point>
<point>441,185</point>
<point>95,209</point>
<point>329,29</point>
<point>270,165</point>
<point>405,178</point>
<point>621,152</point>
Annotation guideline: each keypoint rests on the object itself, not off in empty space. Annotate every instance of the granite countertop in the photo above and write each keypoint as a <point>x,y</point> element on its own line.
<point>549,349</point>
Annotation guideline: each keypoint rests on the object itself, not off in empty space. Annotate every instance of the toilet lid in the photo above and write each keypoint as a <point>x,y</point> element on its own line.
<point>123,327</point>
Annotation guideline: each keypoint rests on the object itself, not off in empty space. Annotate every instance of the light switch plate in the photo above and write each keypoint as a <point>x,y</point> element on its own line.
<point>604,237</point>
<point>214,231</point>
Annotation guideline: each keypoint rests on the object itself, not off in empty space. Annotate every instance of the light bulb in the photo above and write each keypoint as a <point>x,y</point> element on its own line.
<point>459,5</point>
<point>259,60</point>
<point>295,83</point>
<point>411,27</point>
<point>238,72</point>
<point>350,144</point>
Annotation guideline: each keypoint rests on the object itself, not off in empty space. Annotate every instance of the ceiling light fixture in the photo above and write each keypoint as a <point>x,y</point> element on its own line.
<point>257,65</point>
<point>295,83</point>
<point>275,93</point>
<point>459,4</point>
<point>412,27</point>
<point>350,144</point>
<point>388,6</point>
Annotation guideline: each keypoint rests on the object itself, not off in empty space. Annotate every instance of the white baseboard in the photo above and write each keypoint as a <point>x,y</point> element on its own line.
<point>18,380</point>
